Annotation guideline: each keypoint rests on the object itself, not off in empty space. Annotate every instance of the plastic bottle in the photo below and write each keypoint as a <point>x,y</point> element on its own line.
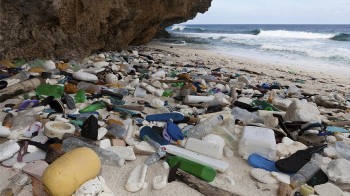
<point>50,90</point>
<point>245,116</point>
<point>22,76</point>
<point>93,107</point>
<point>80,97</point>
<point>89,87</point>
<point>167,93</point>
<point>230,139</point>
<point>160,153</point>
<point>304,174</point>
<point>121,91</point>
<point>206,127</point>
<point>19,88</point>
<point>107,157</point>
<point>200,171</point>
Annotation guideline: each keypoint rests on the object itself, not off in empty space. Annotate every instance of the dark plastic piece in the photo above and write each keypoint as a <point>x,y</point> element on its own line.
<point>90,128</point>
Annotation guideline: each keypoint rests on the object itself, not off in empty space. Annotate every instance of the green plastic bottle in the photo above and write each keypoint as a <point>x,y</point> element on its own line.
<point>264,105</point>
<point>167,93</point>
<point>80,96</point>
<point>93,107</point>
<point>200,171</point>
<point>50,90</point>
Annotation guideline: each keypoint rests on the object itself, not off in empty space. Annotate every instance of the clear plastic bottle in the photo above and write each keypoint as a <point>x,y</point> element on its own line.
<point>107,157</point>
<point>206,127</point>
<point>245,116</point>
<point>160,153</point>
<point>304,174</point>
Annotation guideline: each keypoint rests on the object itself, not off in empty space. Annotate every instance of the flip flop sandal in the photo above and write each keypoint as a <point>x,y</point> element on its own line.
<point>146,130</point>
<point>297,160</point>
<point>258,161</point>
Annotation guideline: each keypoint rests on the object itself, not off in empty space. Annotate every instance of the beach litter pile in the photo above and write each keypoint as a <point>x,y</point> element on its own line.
<point>62,121</point>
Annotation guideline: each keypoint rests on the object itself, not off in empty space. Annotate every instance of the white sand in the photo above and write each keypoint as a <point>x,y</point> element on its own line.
<point>239,169</point>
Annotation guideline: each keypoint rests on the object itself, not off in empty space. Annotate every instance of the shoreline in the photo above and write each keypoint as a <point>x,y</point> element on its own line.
<point>326,70</point>
<point>315,81</point>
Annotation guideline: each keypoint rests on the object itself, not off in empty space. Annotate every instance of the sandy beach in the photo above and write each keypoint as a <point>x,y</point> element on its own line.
<point>309,79</point>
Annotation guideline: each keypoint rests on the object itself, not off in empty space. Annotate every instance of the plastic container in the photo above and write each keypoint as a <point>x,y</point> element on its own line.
<point>304,174</point>
<point>257,140</point>
<point>202,172</point>
<point>218,165</point>
<point>203,147</point>
<point>206,127</point>
<point>107,157</point>
<point>245,116</point>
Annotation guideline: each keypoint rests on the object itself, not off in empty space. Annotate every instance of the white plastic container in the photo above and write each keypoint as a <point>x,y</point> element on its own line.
<point>258,140</point>
<point>198,99</point>
<point>220,166</point>
<point>204,147</point>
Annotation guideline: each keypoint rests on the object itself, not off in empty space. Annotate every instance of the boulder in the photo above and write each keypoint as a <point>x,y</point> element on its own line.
<point>73,29</point>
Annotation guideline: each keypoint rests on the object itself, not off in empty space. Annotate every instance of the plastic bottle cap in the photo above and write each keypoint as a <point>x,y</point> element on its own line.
<point>182,143</point>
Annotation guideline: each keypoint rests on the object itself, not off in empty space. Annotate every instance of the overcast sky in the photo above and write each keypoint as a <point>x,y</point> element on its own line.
<point>276,12</point>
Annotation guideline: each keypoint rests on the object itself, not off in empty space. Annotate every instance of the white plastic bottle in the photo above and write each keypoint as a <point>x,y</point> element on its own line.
<point>219,165</point>
<point>203,147</point>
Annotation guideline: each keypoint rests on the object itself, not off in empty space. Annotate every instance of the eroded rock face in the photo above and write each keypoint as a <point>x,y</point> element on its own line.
<point>75,28</point>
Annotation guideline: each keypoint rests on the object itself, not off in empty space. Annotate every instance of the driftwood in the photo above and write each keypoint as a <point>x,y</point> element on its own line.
<point>339,123</point>
<point>132,107</point>
<point>197,80</point>
<point>251,72</point>
<point>201,186</point>
<point>197,184</point>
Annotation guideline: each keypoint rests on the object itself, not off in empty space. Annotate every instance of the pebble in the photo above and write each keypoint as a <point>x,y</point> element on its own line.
<point>228,152</point>
<point>126,153</point>
<point>136,178</point>
<point>328,189</point>
<point>330,152</point>
<point>105,143</point>
<point>263,176</point>
<point>102,131</point>
<point>284,190</point>
<point>160,182</point>
<point>111,78</point>
<point>96,186</point>
<point>166,165</point>
<point>331,139</point>
<point>49,65</point>
<point>8,149</point>
<point>35,168</point>
<point>4,131</point>
<point>284,178</point>
<point>71,88</point>
<point>84,76</point>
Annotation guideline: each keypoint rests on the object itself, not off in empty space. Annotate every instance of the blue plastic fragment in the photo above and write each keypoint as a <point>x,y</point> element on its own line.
<point>334,129</point>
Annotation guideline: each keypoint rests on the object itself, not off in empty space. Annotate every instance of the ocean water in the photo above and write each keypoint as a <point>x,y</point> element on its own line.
<point>326,45</point>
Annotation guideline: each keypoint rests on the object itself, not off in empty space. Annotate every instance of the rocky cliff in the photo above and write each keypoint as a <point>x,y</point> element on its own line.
<point>74,28</point>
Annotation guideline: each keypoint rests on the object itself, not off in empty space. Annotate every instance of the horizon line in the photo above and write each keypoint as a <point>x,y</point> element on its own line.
<point>259,24</point>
